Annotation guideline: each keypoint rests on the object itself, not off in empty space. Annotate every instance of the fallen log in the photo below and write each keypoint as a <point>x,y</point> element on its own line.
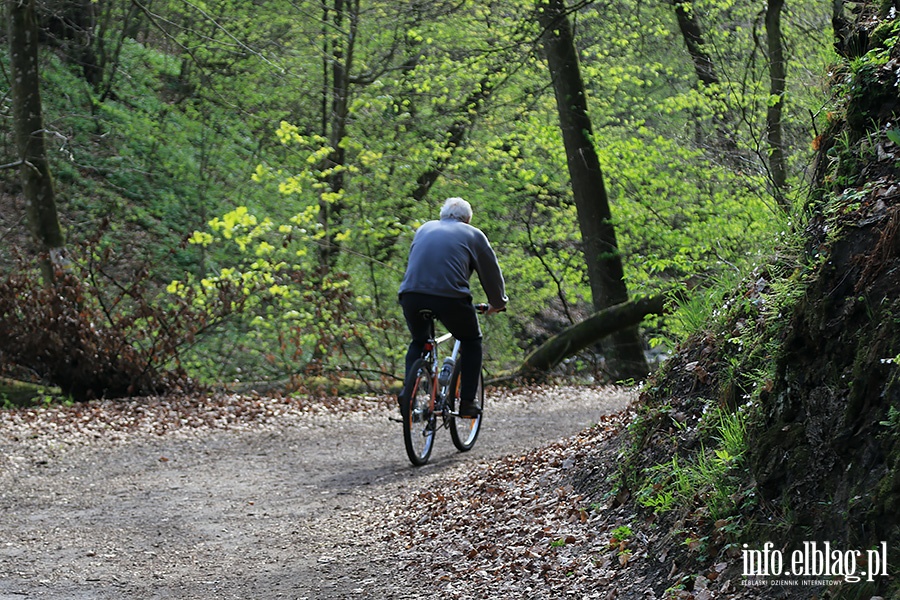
<point>576,338</point>
<point>22,393</point>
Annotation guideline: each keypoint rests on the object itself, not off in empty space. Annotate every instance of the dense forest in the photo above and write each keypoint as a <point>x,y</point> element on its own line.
<point>237,183</point>
<point>222,194</point>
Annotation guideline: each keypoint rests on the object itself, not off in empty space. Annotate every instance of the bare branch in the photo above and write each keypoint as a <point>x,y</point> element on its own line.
<point>12,165</point>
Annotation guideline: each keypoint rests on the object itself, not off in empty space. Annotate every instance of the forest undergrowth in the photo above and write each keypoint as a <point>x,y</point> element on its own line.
<point>776,421</point>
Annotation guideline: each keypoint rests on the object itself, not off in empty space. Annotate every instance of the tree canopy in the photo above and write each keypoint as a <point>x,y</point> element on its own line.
<point>296,147</point>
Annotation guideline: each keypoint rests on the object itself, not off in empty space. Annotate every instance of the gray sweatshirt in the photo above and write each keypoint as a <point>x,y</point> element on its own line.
<point>442,257</point>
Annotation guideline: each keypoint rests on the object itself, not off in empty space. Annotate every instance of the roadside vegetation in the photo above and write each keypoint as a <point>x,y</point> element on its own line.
<point>244,173</point>
<point>775,419</point>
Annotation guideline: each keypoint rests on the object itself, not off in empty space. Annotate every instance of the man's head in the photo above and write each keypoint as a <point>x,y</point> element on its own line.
<point>457,208</point>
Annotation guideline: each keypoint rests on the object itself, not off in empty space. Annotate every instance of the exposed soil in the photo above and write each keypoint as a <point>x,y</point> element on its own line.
<point>241,497</point>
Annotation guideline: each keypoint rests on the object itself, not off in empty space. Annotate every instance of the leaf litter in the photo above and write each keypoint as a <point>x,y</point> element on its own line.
<point>521,526</point>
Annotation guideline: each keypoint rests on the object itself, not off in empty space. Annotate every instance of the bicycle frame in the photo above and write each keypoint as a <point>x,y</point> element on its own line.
<point>432,357</point>
<point>431,404</point>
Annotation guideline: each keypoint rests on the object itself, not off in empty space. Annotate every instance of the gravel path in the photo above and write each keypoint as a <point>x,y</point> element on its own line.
<point>255,499</point>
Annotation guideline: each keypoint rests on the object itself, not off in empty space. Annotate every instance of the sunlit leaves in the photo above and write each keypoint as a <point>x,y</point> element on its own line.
<point>288,133</point>
<point>678,215</point>
<point>201,238</point>
<point>681,210</point>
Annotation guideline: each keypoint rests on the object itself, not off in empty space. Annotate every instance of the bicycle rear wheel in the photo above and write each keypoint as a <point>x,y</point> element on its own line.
<point>418,416</point>
<point>464,430</point>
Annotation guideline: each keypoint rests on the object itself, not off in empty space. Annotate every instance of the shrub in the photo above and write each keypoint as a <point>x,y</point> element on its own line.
<point>94,336</point>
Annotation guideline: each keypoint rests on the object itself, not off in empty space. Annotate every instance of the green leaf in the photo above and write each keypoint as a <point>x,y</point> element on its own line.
<point>894,136</point>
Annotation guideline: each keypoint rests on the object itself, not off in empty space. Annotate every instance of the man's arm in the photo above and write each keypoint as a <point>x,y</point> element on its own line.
<point>491,277</point>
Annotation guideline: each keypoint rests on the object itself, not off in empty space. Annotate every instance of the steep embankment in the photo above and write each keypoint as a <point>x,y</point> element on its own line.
<point>781,422</point>
<point>829,446</point>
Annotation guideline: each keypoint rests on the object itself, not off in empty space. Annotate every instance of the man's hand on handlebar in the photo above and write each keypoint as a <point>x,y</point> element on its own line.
<point>487,309</point>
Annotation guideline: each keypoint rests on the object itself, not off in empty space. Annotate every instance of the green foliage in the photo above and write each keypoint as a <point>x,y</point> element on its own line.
<point>681,214</point>
<point>294,313</point>
<point>712,476</point>
<point>621,534</point>
<point>16,393</point>
<point>222,129</point>
<point>893,420</point>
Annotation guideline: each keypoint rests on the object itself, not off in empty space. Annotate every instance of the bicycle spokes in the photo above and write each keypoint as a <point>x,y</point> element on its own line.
<point>418,422</point>
<point>464,430</point>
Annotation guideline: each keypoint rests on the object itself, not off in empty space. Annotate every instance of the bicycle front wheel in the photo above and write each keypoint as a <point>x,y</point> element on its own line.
<point>464,430</point>
<point>418,415</point>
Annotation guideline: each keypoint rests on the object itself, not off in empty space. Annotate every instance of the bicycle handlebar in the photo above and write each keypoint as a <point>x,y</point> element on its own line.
<point>483,308</point>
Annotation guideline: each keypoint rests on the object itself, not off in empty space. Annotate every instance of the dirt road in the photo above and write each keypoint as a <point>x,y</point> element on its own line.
<point>285,506</point>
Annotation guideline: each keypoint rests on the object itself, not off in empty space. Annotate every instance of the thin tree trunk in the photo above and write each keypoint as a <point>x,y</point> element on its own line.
<point>70,24</point>
<point>692,34</point>
<point>704,67</point>
<point>625,355</point>
<point>84,15</point>
<point>40,200</point>
<point>777,76</point>
<point>330,208</point>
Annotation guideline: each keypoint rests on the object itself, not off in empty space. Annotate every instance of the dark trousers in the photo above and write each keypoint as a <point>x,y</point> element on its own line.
<point>459,317</point>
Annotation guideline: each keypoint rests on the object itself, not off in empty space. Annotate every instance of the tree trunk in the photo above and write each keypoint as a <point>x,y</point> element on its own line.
<point>704,67</point>
<point>625,355</point>
<point>71,25</point>
<point>692,34</point>
<point>40,200</point>
<point>588,332</point>
<point>341,61</point>
<point>777,75</point>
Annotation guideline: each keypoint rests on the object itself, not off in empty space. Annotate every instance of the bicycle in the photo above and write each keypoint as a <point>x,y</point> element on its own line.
<point>431,399</point>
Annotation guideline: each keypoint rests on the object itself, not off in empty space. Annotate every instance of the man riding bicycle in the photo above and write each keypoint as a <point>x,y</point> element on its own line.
<point>442,257</point>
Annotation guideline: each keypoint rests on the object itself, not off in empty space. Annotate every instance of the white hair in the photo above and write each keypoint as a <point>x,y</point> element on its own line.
<point>457,208</point>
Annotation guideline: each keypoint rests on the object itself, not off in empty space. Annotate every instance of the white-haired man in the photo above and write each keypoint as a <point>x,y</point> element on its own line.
<point>442,257</point>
